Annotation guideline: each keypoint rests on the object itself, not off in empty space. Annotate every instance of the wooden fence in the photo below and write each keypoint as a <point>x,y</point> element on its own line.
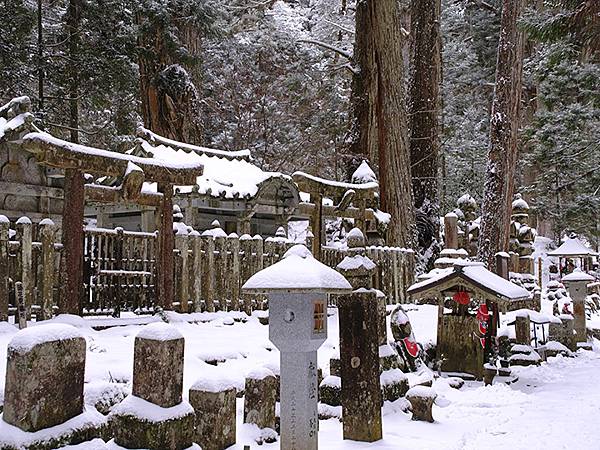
<point>120,269</point>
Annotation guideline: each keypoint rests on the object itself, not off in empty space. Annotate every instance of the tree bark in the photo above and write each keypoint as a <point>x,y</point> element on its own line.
<point>424,95</point>
<point>380,123</point>
<point>170,101</point>
<point>504,127</point>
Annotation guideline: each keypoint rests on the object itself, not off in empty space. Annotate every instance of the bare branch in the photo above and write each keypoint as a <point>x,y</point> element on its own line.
<point>327,46</point>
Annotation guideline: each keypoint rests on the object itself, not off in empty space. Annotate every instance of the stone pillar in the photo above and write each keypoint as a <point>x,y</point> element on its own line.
<point>359,355</point>
<point>101,218</point>
<point>214,405</point>
<point>421,400</point>
<point>25,236</point>
<point>44,377</point>
<point>47,231</point>
<point>259,398</point>
<point>4,227</point>
<point>451,231</point>
<point>154,416</point>
<point>148,220</point>
<point>523,330</point>
<point>563,331</point>
<point>502,263</point>
<point>182,240</point>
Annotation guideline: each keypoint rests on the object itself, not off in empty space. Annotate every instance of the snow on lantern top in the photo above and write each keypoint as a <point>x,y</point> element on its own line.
<point>298,271</point>
<point>363,174</point>
<point>577,275</point>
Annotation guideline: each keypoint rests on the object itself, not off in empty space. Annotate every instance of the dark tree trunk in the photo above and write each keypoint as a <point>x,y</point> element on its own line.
<point>170,101</point>
<point>504,127</point>
<point>380,124</point>
<point>424,101</point>
<point>73,25</point>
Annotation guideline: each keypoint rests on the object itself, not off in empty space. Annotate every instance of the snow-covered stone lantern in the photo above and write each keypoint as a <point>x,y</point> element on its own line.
<point>297,287</point>
<point>576,283</point>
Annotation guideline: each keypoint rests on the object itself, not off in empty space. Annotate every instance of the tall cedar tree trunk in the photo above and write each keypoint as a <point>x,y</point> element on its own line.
<point>380,124</point>
<point>424,96</point>
<point>73,203</point>
<point>170,102</point>
<point>504,127</point>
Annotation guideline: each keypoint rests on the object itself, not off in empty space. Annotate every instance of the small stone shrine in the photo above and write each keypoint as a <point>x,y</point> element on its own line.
<point>576,283</point>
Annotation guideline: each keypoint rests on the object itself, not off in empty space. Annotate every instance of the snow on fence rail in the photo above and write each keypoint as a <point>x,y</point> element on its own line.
<point>120,269</point>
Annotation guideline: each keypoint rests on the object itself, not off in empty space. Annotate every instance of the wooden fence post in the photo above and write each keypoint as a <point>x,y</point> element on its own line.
<point>181,243</point>
<point>208,263</point>
<point>47,233</point>
<point>4,226</point>
<point>24,230</point>
<point>246,245</point>
<point>233,264</point>
<point>196,271</point>
<point>219,268</point>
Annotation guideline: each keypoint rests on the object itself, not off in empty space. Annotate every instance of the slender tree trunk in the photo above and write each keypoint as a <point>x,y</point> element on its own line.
<point>73,25</point>
<point>380,126</point>
<point>504,127</point>
<point>424,95</point>
<point>40,56</point>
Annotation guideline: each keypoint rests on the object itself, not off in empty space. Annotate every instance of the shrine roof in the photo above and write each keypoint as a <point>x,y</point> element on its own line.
<point>572,248</point>
<point>473,276</point>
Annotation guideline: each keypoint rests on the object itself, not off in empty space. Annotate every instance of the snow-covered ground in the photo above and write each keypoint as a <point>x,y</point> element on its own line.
<point>556,405</point>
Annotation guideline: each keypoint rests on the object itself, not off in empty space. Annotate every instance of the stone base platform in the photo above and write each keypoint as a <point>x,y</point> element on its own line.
<point>136,423</point>
<point>84,427</point>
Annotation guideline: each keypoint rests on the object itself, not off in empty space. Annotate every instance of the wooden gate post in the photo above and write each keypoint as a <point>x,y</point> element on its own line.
<point>164,285</point>
<point>72,239</point>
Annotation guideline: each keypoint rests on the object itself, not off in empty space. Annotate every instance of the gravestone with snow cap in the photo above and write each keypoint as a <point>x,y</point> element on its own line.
<point>260,398</point>
<point>43,403</point>
<point>154,415</point>
<point>213,400</point>
<point>297,287</point>
<point>576,283</point>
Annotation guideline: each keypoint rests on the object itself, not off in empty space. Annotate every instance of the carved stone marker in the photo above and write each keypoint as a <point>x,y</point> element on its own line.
<point>154,416</point>
<point>576,283</point>
<point>158,365</point>
<point>259,398</point>
<point>523,330</point>
<point>297,287</point>
<point>214,404</point>
<point>44,377</point>
<point>563,332</point>
<point>359,352</point>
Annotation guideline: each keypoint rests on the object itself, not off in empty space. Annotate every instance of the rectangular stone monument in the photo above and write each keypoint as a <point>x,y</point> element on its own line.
<point>523,330</point>
<point>214,404</point>
<point>154,417</point>
<point>359,355</point>
<point>44,377</point>
<point>259,398</point>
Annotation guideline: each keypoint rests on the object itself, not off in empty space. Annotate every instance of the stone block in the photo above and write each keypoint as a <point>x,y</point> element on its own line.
<point>421,399</point>
<point>158,365</point>
<point>330,390</point>
<point>136,423</point>
<point>259,399</point>
<point>44,377</point>
<point>394,384</point>
<point>215,415</point>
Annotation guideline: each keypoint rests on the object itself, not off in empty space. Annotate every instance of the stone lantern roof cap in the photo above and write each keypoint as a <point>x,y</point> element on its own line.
<point>298,271</point>
<point>577,275</point>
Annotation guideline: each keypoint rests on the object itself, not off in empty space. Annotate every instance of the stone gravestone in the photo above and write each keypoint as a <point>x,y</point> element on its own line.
<point>154,416</point>
<point>297,287</point>
<point>213,401</point>
<point>44,386</point>
<point>259,398</point>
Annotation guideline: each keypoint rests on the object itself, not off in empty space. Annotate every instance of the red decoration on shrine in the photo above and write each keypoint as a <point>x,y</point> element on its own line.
<point>411,347</point>
<point>462,298</point>
<point>482,341</point>
<point>483,317</point>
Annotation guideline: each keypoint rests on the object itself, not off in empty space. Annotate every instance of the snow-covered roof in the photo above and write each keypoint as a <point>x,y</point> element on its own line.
<point>297,271</point>
<point>364,174</point>
<point>477,275</point>
<point>578,275</point>
<point>572,247</point>
<point>225,175</point>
